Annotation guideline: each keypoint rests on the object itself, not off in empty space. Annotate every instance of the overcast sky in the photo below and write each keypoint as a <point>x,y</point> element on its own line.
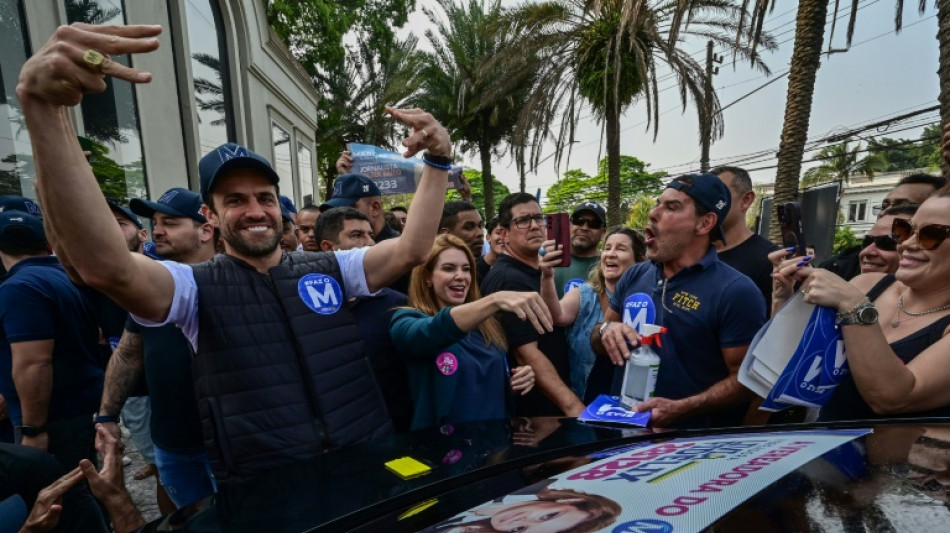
<point>883,74</point>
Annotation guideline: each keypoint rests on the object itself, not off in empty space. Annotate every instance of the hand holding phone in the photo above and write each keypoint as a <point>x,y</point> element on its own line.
<point>559,230</point>
<point>790,219</point>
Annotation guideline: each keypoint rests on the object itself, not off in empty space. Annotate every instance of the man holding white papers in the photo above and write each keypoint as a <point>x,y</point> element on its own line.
<point>711,310</point>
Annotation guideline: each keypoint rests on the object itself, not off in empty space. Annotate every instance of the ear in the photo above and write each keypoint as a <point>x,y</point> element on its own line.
<point>747,199</point>
<point>205,232</point>
<point>209,214</point>
<point>143,236</point>
<point>327,246</point>
<point>443,231</point>
<point>706,223</point>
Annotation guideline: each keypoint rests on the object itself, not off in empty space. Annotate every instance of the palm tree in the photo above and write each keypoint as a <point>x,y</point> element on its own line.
<point>943,37</point>
<point>608,53</point>
<point>840,162</point>
<point>355,96</point>
<point>476,96</point>
<point>806,55</point>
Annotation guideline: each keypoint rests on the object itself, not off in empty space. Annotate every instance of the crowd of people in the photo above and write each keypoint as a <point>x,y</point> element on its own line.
<point>244,334</point>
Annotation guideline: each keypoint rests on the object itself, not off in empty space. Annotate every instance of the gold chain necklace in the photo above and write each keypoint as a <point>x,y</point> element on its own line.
<point>900,307</point>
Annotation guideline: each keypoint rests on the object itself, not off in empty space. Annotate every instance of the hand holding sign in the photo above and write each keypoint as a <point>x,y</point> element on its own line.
<point>427,133</point>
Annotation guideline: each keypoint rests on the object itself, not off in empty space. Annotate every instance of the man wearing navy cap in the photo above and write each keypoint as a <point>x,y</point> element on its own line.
<point>710,309</point>
<point>132,229</point>
<point>280,373</point>
<point>356,190</point>
<point>49,368</point>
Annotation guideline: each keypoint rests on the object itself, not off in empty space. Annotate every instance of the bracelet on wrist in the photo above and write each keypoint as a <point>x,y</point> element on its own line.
<point>437,161</point>
<point>105,419</point>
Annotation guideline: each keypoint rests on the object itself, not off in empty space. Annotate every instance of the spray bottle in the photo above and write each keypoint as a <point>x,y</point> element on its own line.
<point>639,376</point>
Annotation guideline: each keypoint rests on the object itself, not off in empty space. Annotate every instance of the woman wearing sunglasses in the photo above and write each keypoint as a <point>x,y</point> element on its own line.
<point>894,326</point>
<point>453,345</point>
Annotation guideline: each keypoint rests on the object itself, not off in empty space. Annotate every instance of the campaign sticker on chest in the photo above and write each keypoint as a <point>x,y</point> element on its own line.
<point>638,309</point>
<point>114,343</point>
<point>576,282</point>
<point>446,363</point>
<point>321,293</point>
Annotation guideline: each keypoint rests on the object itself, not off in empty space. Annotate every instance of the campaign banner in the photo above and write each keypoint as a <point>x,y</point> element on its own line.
<point>391,171</point>
<point>610,410</point>
<point>681,485</point>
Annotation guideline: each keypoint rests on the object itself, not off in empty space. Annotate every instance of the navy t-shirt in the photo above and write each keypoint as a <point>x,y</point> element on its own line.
<point>39,302</point>
<point>708,306</point>
<point>175,424</point>
<point>509,274</point>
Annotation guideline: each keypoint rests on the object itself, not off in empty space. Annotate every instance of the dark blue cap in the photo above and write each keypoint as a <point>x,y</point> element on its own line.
<point>20,227</point>
<point>710,192</point>
<point>288,204</point>
<point>227,157</point>
<point>349,188</point>
<point>20,203</point>
<point>285,214</point>
<point>594,208</point>
<point>177,202</point>
<point>124,211</point>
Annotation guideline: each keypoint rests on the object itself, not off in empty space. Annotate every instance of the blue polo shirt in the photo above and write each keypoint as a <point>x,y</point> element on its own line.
<point>39,302</point>
<point>708,306</point>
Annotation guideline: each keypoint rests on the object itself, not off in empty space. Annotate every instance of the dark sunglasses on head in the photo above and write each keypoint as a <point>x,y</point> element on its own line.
<point>883,242</point>
<point>929,236</point>
<point>592,223</point>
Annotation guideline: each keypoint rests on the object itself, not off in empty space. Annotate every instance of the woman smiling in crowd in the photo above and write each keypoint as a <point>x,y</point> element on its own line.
<point>453,346</point>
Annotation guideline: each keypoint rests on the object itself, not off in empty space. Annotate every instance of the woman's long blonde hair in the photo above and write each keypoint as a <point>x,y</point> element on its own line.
<point>422,296</point>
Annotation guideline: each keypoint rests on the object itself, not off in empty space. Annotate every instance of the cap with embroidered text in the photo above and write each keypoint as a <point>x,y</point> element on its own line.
<point>177,202</point>
<point>349,188</point>
<point>594,208</point>
<point>228,157</point>
<point>20,203</point>
<point>19,227</point>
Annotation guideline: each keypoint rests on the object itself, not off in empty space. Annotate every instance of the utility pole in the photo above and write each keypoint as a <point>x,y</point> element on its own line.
<point>706,133</point>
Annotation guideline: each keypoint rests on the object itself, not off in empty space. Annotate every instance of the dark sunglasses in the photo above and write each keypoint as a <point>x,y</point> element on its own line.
<point>592,223</point>
<point>929,236</point>
<point>883,242</point>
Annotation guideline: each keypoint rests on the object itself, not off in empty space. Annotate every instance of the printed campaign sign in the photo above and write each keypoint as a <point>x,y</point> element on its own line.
<point>575,282</point>
<point>608,409</point>
<point>320,293</point>
<point>638,309</point>
<point>392,173</point>
<point>681,485</point>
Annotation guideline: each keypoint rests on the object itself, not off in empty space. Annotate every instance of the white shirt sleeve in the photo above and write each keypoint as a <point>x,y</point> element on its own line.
<point>184,309</point>
<point>351,268</point>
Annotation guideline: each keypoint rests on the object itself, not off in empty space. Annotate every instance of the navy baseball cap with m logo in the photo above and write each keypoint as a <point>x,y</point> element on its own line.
<point>228,157</point>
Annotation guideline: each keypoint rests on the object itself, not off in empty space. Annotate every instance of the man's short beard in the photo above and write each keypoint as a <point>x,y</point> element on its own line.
<point>592,245</point>
<point>245,249</point>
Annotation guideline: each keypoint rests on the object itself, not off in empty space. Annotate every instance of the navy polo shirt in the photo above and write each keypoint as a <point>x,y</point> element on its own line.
<point>39,302</point>
<point>708,306</point>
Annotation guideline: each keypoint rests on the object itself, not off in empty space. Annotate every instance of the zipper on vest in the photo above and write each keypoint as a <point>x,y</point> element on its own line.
<point>317,416</point>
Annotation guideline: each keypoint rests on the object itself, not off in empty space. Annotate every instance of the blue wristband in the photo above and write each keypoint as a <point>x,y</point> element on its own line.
<point>443,163</point>
<point>105,419</point>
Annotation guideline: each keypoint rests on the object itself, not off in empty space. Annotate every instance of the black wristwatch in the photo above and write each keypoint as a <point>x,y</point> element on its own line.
<point>105,419</point>
<point>863,314</point>
<point>32,431</point>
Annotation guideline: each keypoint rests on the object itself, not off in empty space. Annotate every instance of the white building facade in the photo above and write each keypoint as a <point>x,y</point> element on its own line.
<point>220,75</point>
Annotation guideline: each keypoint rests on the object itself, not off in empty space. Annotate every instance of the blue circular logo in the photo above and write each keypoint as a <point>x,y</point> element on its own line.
<point>638,309</point>
<point>644,525</point>
<point>576,282</point>
<point>321,293</point>
<point>113,343</point>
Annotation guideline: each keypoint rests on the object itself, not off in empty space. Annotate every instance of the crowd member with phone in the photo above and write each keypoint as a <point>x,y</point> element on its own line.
<point>584,305</point>
<point>588,223</point>
<point>895,326</point>
<point>453,345</point>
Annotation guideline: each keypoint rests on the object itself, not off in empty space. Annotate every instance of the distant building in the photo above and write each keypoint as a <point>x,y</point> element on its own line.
<point>221,74</point>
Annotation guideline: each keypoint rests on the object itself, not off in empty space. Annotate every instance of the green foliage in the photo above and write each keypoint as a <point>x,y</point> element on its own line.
<point>478,192</point>
<point>844,239</point>
<point>639,216</point>
<point>842,161</point>
<point>902,154</point>
<point>576,186</point>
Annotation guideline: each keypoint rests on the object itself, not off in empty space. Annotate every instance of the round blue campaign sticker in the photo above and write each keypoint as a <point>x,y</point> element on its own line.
<point>321,293</point>
<point>638,309</point>
<point>576,282</point>
<point>113,343</point>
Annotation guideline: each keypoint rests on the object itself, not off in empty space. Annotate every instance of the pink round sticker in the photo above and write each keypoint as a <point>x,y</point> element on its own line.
<point>446,363</point>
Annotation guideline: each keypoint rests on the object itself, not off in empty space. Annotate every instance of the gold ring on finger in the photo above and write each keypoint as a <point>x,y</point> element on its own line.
<point>93,59</point>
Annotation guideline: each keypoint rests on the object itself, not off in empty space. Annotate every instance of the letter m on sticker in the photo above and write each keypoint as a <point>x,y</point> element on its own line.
<point>322,299</point>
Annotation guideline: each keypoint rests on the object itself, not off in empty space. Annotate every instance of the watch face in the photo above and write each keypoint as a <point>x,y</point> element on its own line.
<point>868,315</point>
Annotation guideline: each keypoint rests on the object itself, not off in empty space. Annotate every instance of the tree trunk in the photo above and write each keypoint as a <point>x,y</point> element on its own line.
<point>488,186</point>
<point>806,55</point>
<point>612,127</point>
<point>943,37</point>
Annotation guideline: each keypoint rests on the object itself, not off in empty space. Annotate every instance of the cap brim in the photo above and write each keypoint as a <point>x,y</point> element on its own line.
<point>147,209</point>
<point>127,214</point>
<point>341,202</point>
<point>241,162</point>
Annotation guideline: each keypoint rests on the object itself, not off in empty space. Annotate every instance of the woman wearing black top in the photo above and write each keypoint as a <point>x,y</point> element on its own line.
<point>897,345</point>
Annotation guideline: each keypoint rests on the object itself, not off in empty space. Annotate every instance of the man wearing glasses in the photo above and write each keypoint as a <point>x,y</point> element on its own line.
<point>518,270</point>
<point>879,249</point>
<point>588,223</point>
